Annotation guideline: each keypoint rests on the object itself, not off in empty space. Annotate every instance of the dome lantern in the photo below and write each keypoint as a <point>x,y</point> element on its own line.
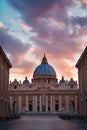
<point>44,60</point>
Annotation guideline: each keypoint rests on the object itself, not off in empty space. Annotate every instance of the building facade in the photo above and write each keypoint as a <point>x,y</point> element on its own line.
<point>82,77</point>
<point>44,93</point>
<point>5,65</point>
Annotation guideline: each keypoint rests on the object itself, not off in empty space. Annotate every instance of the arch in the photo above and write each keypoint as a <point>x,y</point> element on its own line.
<point>14,107</point>
<point>72,106</point>
<point>30,107</point>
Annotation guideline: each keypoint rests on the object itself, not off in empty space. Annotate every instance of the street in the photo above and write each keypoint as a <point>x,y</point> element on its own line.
<point>42,123</point>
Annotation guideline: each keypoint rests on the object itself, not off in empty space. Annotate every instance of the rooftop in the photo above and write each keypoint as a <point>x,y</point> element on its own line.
<point>81,57</point>
<point>5,57</point>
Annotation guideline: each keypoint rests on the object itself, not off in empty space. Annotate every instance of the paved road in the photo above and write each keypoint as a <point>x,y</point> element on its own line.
<point>43,123</point>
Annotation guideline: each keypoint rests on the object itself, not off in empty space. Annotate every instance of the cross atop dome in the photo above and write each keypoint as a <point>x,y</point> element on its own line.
<point>44,60</point>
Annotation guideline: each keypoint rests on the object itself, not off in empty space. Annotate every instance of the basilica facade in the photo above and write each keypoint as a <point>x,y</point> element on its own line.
<point>44,93</point>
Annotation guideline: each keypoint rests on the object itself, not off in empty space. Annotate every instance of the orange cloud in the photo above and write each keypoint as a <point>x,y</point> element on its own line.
<point>21,71</point>
<point>64,67</point>
<point>1,25</point>
<point>84,1</point>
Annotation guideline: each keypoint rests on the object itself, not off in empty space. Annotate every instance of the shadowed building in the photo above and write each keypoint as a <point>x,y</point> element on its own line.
<point>5,65</point>
<point>44,93</point>
<point>82,77</point>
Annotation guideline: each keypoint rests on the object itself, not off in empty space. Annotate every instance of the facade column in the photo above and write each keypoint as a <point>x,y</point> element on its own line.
<point>76,101</point>
<point>27,103</point>
<point>46,103</point>
<point>33,104</point>
<point>11,104</point>
<point>19,103</point>
<point>40,104</point>
<point>67,103</point>
<point>60,103</point>
<point>36,103</point>
<point>51,102</point>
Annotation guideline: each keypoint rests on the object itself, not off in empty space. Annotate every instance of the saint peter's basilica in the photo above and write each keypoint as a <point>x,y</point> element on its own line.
<point>44,93</point>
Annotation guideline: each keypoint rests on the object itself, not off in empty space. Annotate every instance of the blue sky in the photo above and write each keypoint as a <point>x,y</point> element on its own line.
<point>28,28</point>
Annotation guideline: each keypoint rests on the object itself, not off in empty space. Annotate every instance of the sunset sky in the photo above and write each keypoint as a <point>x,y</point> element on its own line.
<point>30,28</point>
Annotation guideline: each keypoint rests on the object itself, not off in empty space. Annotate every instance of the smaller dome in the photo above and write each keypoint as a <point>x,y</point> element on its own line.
<point>62,80</point>
<point>26,82</point>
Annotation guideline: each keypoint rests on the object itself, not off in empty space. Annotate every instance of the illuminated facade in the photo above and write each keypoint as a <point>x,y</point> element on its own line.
<point>5,65</point>
<point>44,93</point>
<point>82,77</point>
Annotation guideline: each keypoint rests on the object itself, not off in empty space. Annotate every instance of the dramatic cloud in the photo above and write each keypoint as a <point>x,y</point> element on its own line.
<point>84,3</point>
<point>16,50</point>
<point>20,71</point>
<point>12,45</point>
<point>33,11</point>
<point>56,31</point>
<point>39,7</point>
<point>82,21</point>
<point>62,58</point>
<point>47,18</point>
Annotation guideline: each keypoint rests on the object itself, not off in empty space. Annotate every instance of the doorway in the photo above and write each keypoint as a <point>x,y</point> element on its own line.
<point>30,107</point>
<point>56,107</point>
<point>72,106</point>
<point>14,107</point>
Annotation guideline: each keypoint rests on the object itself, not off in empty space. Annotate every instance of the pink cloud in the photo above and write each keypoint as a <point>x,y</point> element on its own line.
<point>22,70</point>
<point>57,32</point>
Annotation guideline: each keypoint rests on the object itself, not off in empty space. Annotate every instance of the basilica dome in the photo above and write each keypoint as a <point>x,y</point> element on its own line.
<point>44,69</point>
